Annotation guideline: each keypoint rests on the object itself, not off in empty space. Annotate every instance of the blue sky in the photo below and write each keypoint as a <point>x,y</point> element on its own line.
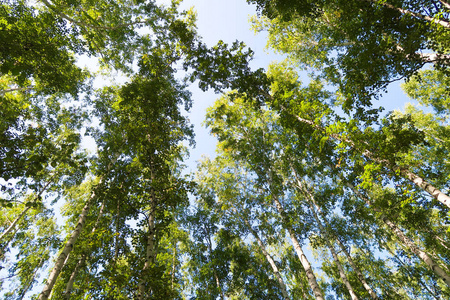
<point>228,20</point>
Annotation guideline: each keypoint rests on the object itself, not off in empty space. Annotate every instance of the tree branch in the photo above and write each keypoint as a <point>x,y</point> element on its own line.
<point>443,23</point>
<point>87,25</point>
<point>16,89</point>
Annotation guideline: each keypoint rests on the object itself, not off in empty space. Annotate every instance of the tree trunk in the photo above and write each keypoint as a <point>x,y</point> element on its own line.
<point>31,279</point>
<point>443,23</point>
<point>416,250</point>
<point>81,261</point>
<point>420,182</point>
<point>28,88</point>
<point>328,238</point>
<point>149,253</point>
<point>20,216</point>
<point>66,251</point>
<point>331,236</point>
<point>298,249</point>
<point>173,265</point>
<point>409,243</point>
<point>398,259</point>
<point>13,224</point>
<point>446,4</point>
<point>270,260</point>
<point>117,235</point>
<point>357,270</point>
<point>59,264</point>
<point>69,286</point>
<point>216,277</point>
<point>417,180</point>
<point>150,247</point>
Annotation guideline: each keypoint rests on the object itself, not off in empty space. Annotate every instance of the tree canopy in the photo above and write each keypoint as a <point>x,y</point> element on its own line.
<point>314,192</point>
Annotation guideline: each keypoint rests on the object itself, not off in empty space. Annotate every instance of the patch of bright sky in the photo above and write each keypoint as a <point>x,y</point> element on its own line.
<point>228,21</point>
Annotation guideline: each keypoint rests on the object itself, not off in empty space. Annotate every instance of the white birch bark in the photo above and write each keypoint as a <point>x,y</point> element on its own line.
<point>409,243</point>
<point>60,261</point>
<point>358,272</point>
<point>302,257</point>
<point>20,216</point>
<point>327,235</point>
<point>30,281</point>
<point>150,247</point>
<point>14,223</point>
<point>173,265</point>
<point>270,260</point>
<point>417,180</point>
<point>445,4</point>
<point>328,238</point>
<point>216,277</point>
<point>28,88</point>
<point>417,251</point>
<point>69,285</point>
<point>443,23</point>
<point>398,260</point>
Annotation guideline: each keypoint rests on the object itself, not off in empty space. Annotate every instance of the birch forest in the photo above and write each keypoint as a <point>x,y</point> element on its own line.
<point>315,191</point>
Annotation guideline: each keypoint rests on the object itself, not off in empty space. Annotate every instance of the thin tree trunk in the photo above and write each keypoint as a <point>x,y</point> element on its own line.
<point>173,265</point>
<point>150,247</point>
<point>445,4</point>
<point>441,242</point>
<point>357,270</point>
<point>298,249</point>
<point>3,246</point>
<point>13,225</point>
<point>28,88</point>
<point>69,286</point>
<point>87,25</point>
<point>30,281</point>
<point>270,260</point>
<point>443,23</point>
<point>409,243</point>
<point>416,250</point>
<point>66,251</point>
<point>60,261</point>
<point>117,235</point>
<point>216,277</point>
<point>327,239</point>
<point>398,259</point>
<point>334,236</point>
<point>417,180</point>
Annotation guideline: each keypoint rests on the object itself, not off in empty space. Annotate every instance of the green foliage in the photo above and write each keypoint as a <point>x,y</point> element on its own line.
<point>431,88</point>
<point>359,47</point>
<point>286,152</point>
